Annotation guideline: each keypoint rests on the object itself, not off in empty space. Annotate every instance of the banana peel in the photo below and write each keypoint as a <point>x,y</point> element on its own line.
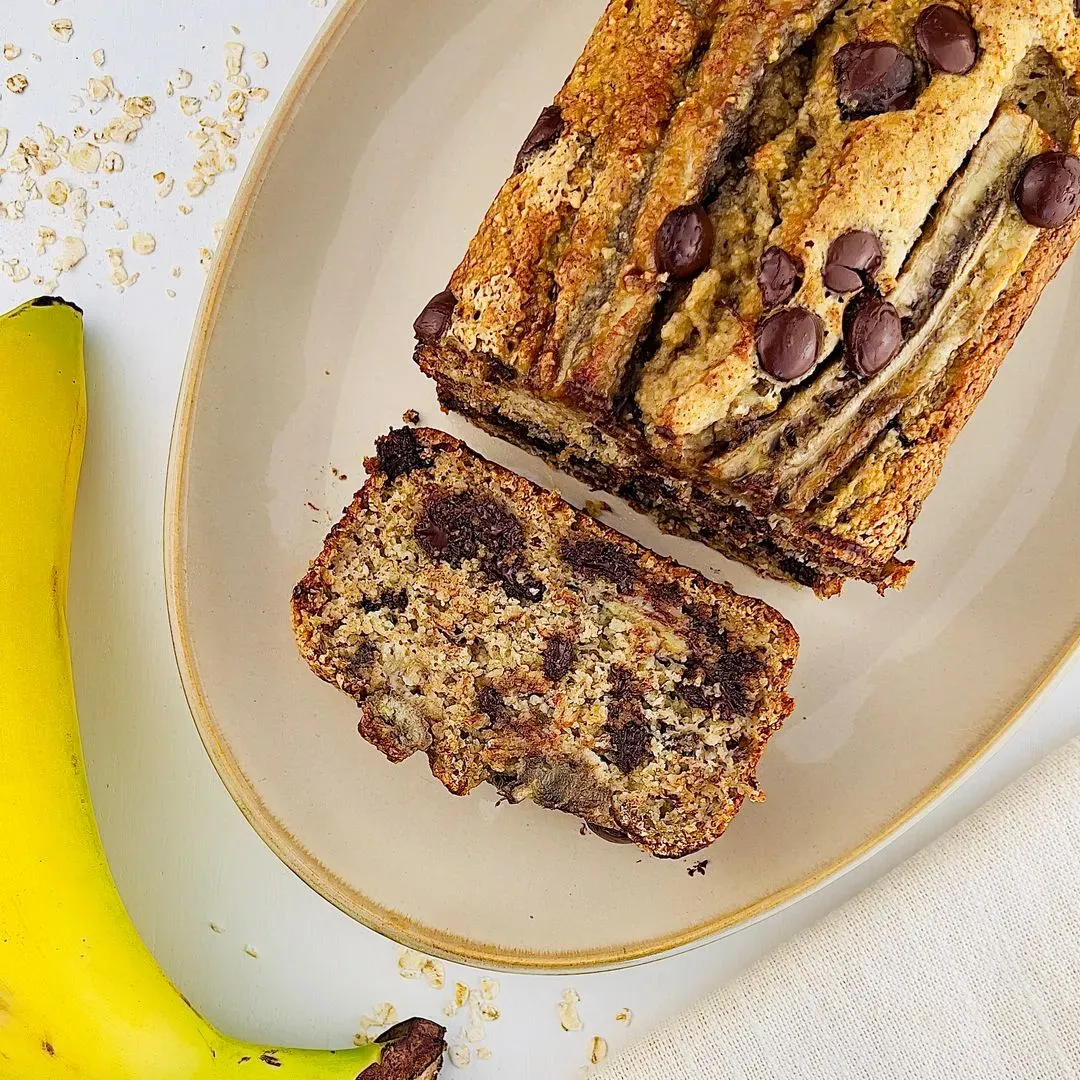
<point>81,997</point>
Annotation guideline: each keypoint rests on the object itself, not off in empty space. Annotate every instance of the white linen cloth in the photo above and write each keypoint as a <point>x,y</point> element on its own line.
<point>964,962</point>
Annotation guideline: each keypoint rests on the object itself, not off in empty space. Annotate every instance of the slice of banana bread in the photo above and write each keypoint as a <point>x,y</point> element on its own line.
<point>514,640</point>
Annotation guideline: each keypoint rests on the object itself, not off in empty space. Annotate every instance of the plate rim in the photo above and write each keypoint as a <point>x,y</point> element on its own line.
<point>288,849</point>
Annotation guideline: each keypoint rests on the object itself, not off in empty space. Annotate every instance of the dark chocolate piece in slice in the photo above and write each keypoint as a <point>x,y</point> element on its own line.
<point>947,40</point>
<point>545,133</point>
<point>873,77</point>
<point>433,322</point>
<point>1048,191</point>
<point>873,337</point>
<point>684,242</point>
<point>779,277</point>
<point>789,343</point>
<point>852,261</point>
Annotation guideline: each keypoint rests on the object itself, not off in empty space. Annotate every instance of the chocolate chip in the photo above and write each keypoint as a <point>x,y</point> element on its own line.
<point>389,601</point>
<point>629,746</point>
<point>516,583</point>
<point>362,658</point>
<point>852,260</point>
<point>779,277</point>
<point>704,625</point>
<point>489,701</point>
<point>873,77</point>
<point>873,336</point>
<point>612,836</point>
<point>1048,191</point>
<point>603,560</point>
<point>789,343</point>
<point>461,526</point>
<point>947,40</point>
<point>623,683</point>
<point>685,743</point>
<point>684,242</point>
<point>545,132</point>
<point>559,655</point>
<point>434,320</point>
<point>720,685</point>
<point>399,453</point>
<point>693,695</point>
<point>432,537</point>
<point>731,675</point>
<point>665,594</point>
<point>499,372</point>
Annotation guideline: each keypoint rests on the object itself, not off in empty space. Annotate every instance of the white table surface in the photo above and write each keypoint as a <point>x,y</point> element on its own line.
<point>182,854</point>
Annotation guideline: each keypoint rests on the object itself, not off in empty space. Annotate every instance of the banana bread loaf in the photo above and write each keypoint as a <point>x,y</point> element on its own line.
<point>484,621</point>
<point>760,260</point>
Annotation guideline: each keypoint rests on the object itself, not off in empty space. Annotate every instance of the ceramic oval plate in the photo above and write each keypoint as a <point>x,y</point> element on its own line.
<point>381,164</point>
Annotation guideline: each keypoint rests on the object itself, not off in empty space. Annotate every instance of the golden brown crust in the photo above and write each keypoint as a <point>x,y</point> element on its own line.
<point>514,640</point>
<point>737,105</point>
<point>896,479</point>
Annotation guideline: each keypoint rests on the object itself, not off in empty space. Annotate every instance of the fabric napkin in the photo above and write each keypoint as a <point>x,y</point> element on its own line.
<point>964,962</point>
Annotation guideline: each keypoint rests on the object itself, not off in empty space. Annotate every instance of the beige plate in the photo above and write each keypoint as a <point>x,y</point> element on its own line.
<point>400,129</point>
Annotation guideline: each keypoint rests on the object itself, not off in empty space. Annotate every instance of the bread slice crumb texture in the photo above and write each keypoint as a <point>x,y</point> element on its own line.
<point>515,641</point>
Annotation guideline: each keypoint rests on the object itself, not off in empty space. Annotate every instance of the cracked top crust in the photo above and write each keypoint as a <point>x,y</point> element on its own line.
<point>797,125</point>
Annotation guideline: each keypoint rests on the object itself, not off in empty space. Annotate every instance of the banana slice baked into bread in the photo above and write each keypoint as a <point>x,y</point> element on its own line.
<point>484,621</point>
<point>760,260</point>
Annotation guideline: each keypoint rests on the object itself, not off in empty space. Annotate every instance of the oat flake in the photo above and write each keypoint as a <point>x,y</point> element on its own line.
<point>17,83</point>
<point>566,1009</point>
<point>140,105</point>
<point>410,963</point>
<point>598,1050</point>
<point>12,51</point>
<point>461,995</point>
<point>85,157</point>
<point>459,1054</point>
<point>260,59</point>
<point>432,969</point>
<point>61,29</point>
<point>143,243</point>
<point>56,191</point>
<point>234,54</point>
<point>98,56</point>
<point>72,252</point>
<point>112,162</point>
<point>16,271</point>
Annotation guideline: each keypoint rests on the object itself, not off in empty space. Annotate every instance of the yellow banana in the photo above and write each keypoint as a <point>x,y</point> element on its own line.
<point>81,998</point>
